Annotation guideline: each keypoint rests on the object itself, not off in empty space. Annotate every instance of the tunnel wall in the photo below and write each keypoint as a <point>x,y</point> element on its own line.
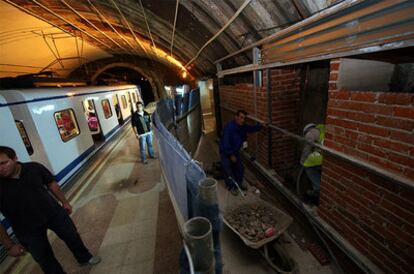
<point>284,96</point>
<point>374,214</point>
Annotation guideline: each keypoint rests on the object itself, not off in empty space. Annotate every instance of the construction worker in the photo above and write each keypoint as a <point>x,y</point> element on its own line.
<point>311,158</point>
<point>234,135</point>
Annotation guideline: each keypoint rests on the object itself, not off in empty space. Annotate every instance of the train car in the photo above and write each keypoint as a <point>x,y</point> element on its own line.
<point>64,126</point>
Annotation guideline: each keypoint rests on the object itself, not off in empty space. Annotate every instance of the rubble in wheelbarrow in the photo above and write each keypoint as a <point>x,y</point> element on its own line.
<point>254,222</point>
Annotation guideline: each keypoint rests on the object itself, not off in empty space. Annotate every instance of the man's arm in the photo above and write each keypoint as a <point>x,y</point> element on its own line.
<point>12,248</point>
<point>58,193</point>
<point>253,128</point>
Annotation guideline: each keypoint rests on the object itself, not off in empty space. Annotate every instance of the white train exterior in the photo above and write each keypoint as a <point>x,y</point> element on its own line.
<point>50,125</point>
<point>39,113</point>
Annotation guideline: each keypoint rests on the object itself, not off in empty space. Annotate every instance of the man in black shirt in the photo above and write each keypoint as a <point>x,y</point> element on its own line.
<point>141,124</point>
<point>26,203</point>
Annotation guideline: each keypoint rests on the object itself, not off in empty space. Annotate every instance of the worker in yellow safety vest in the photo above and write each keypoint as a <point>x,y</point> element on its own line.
<point>311,158</point>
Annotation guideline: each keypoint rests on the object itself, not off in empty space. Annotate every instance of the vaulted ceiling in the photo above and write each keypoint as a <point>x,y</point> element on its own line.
<point>173,32</point>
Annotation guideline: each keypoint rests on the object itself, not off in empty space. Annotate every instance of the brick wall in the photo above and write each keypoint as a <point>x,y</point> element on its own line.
<point>285,114</point>
<point>373,214</point>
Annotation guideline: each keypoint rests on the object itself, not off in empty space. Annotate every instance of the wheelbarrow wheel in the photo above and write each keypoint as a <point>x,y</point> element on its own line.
<point>278,259</point>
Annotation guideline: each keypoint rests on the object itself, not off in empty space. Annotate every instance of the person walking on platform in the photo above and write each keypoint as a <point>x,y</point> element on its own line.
<point>26,203</point>
<point>234,135</point>
<point>141,123</point>
<point>311,158</point>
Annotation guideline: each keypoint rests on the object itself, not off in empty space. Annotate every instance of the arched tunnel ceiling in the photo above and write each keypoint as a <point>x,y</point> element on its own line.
<point>145,27</point>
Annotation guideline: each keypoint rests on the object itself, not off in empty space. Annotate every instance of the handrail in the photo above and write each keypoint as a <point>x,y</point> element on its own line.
<point>360,163</point>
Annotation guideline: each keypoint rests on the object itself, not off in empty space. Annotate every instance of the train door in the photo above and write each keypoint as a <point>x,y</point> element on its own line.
<point>131,104</point>
<point>115,101</point>
<point>93,120</point>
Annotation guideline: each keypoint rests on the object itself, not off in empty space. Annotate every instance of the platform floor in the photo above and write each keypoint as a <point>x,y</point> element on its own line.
<point>124,214</point>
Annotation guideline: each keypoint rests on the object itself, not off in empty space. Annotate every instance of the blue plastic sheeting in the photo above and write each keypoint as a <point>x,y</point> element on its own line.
<point>178,102</point>
<point>184,103</point>
<point>165,110</point>
<point>193,99</point>
<point>181,173</point>
<point>173,160</point>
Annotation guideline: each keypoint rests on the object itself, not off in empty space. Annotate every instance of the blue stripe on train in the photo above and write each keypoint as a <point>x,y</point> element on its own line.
<point>73,164</point>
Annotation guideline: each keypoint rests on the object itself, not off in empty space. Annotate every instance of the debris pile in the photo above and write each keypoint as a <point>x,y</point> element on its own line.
<point>253,222</point>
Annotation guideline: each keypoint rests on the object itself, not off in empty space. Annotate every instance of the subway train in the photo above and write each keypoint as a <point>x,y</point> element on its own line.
<point>63,127</point>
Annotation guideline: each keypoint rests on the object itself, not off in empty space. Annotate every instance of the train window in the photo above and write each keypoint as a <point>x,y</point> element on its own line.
<point>124,101</point>
<point>106,106</point>
<point>25,137</point>
<point>67,124</point>
<point>135,97</point>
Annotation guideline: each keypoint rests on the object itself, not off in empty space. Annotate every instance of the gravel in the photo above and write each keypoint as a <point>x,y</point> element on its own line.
<point>252,221</point>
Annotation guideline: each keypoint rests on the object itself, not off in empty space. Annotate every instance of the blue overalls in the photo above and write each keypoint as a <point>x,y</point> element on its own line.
<point>230,144</point>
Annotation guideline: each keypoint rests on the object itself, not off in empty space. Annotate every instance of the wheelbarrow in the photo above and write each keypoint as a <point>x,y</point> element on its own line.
<point>270,247</point>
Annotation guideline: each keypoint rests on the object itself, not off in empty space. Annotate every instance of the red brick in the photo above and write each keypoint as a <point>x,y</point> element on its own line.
<point>409,173</point>
<point>363,96</point>
<point>396,123</point>
<point>403,214</point>
<point>333,76</point>
<point>390,145</point>
<point>362,117</point>
<point>333,86</point>
<point>345,141</point>
<point>334,66</point>
<point>403,160</point>
<point>336,112</point>
<point>380,131</point>
<point>343,95</point>
<point>355,153</point>
<point>407,112</point>
<point>402,136</point>
<point>395,98</point>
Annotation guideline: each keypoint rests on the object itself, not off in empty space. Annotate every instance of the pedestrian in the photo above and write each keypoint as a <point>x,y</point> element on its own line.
<point>311,158</point>
<point>29,207</point>
<point>234,136</point>
<point>141,124</point>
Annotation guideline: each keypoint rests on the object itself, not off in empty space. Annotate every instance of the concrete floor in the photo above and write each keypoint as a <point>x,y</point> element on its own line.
<point>123,213</point>
<point>116,213</point>
<point>237,257</point>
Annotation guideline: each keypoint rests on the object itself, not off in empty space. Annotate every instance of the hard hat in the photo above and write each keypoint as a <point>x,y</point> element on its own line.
<point>308,127</point>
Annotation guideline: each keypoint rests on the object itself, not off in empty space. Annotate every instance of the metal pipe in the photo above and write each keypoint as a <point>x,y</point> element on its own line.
<point>57,57</point>
<point>269,117</point>
<point>173,32</point>
<point>316,17</point>
<point>66,21</point>
<point>376,170</point>
<point>208,190</point>
<point>110,25</point>
<point>247,2</point>
<point>130,28</point>
<point>198,237</point>
<point>92,24</point>
<point>149,31</point>
<point>190,260</point>
<point>364,50</point>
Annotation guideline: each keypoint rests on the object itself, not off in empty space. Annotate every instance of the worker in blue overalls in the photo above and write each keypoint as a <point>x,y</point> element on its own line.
<point>234,135</point>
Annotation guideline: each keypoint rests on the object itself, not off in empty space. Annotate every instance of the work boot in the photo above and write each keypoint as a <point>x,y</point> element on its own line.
<point>234,191</point>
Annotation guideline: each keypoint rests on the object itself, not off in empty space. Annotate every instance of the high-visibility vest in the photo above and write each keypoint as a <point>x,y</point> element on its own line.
<point>315,157</point>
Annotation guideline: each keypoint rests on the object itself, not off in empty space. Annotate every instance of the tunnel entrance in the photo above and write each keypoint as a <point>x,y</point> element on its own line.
<point>123,75</point>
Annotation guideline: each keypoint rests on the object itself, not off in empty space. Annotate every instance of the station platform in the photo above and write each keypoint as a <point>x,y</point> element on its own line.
<point>124,214</point>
